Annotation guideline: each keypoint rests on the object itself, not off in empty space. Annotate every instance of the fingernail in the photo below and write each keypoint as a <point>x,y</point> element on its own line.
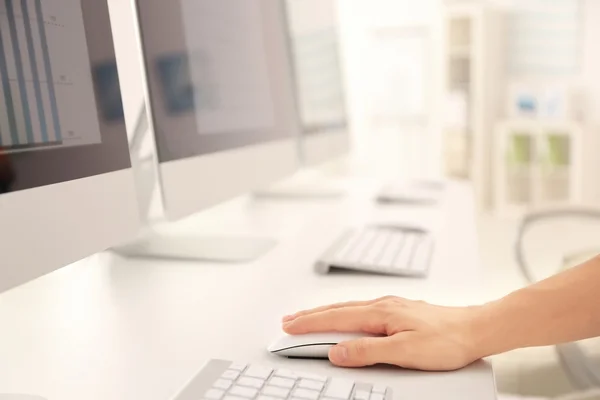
<point>287,324</point>
<point>287,318</point>
<point>338,354</point>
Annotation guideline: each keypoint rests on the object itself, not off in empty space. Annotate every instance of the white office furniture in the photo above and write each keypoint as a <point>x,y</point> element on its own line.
<point>473,65</point>
<point>113,328</point>
<point>537,164</point>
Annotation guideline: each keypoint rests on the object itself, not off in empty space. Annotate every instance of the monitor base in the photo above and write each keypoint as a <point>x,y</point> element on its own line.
<point>419,192</point>
<point>307,184</point>
<point>304,191</point>
<point>220,249</point>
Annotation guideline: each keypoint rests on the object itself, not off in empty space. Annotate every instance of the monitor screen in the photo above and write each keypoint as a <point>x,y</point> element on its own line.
<point>314,38</point>
<point>61,115</point>
<point>216,73</point>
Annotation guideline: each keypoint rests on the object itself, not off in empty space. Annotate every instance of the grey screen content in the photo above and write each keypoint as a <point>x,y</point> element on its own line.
<point>61,114</point>
<point>314,39</point>
<point>215,74</point>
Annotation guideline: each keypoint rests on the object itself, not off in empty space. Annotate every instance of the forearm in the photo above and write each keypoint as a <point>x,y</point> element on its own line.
<point>563,308</point>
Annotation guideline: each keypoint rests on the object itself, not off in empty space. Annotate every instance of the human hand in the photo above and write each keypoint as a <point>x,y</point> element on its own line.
<point>415,334</point>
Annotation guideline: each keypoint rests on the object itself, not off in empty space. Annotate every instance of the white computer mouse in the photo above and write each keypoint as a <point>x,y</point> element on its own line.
<point>15,396</point>
<point>311,345</point>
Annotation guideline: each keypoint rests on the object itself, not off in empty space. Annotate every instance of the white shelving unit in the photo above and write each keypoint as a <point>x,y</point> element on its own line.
<point>538,164</point>
<point>473,68</point>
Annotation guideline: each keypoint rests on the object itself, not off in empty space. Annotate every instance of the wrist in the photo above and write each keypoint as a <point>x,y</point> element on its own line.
<point>491,331</point>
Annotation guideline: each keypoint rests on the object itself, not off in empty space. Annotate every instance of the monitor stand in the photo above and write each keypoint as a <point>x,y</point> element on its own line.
<point>195,247</point>
<point>411,192</point>
<point>155,243</point>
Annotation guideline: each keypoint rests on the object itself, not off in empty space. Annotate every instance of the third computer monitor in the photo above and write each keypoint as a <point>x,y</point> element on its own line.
<point>221,98</point>
<point>321,100</point>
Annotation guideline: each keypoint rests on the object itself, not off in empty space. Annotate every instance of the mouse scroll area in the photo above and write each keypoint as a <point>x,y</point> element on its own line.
<point>311,345</point>
<point>316,351</point>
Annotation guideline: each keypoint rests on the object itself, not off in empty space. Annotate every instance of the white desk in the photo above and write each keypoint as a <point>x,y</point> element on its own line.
<point>116,329</point>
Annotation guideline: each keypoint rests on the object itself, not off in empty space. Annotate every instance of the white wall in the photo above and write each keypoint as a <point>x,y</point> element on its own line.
<point>389,147</point>
<point>591,57</point>
<point>591,80</point>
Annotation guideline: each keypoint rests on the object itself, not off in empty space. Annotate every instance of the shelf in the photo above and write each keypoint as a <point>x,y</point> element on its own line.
<point>459,51</point>
<point>460,31</point>
<point>537,163</point>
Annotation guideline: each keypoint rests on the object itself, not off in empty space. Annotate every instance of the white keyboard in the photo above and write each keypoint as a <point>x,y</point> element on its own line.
<point>226,380</point>
<point>390,250</point>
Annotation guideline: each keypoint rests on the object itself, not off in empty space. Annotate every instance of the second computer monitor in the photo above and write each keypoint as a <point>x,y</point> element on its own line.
<point>221,98</point>
<point>321,100</point>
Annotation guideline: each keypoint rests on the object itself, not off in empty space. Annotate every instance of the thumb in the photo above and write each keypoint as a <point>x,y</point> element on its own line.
<point>365,351</point>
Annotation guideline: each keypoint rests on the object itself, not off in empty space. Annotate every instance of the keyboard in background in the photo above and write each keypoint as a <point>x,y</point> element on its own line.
<point>226,380</point>
<point>390,250</point>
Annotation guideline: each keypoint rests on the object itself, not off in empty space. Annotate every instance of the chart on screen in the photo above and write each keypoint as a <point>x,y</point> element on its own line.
<point>46,85</point>
<point>317,64</point>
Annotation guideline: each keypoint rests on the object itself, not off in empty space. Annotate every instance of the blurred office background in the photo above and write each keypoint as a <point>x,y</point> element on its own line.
<point>502,93</point>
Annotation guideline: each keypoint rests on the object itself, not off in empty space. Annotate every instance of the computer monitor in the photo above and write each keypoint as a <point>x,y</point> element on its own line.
<point>320,89</point>
<point>66,185</point>
<point>220,105</point>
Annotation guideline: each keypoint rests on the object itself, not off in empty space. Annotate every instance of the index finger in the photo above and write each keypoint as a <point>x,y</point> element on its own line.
<point>345,319</point>
<point>315,310</point>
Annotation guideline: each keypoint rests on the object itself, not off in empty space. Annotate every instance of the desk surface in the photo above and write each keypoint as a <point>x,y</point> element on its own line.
<point>111,328</point>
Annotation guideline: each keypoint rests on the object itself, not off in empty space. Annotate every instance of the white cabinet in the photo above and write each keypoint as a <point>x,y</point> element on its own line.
<point>472,69</point>
<point>537,164</point>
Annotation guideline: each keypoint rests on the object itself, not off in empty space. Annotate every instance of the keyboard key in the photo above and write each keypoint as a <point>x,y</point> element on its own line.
<point>286,373</point>
<point>306,394</point>
<point>257,371</point>
<point>251,382</point>
<point>349,242</point>
<point>228,397</point>
<point>376,396</point>
<point>282,382</point>
<point>360,246</point>
<point>275,391</point>
<point>365,387</point>
<point>243,391</point>
<point>402,260</point>
<point>339,388</point>
<point>313,377</point>
<point>261,397</point>
<point>230,374</point>
<point>238,366</point>
<point>375,250</point>
<point>392,249</point>
<point>422,254</point>
<point>310,384</point>
<point>361,395</point>
<point>223,384</point>
<point>379,389</point>
<point>214,394</point>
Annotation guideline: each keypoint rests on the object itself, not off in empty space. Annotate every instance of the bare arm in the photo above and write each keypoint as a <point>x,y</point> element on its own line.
<point>560,309</point>
<point>563,308</point>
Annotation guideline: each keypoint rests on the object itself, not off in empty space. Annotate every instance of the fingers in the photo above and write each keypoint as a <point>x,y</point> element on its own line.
<point>327,307</point>
<point>302,313</point>
<point>347,319</point>
<point>369,351</point>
